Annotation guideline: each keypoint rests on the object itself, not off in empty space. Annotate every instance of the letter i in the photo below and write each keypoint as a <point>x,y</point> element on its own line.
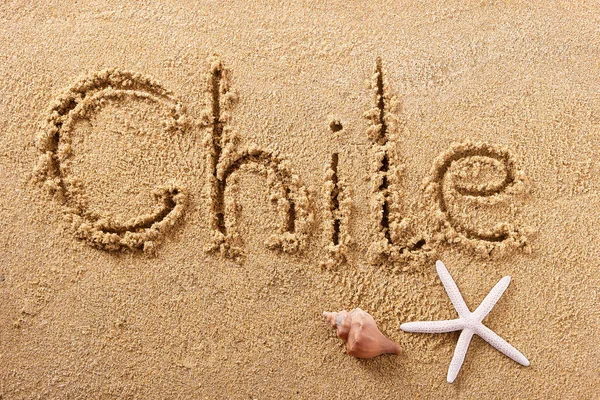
<point>337,211</point>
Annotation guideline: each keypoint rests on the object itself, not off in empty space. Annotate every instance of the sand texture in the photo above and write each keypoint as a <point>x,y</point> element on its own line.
<point>187,186</point>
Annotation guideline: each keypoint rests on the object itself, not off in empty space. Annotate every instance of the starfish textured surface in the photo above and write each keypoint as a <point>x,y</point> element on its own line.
<point>467,321</point>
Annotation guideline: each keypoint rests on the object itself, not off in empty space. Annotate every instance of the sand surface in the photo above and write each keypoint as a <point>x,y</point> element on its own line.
<point>187,186</point>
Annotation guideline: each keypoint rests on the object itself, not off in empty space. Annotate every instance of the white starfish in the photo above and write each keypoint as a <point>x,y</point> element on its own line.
<point>469,322</point>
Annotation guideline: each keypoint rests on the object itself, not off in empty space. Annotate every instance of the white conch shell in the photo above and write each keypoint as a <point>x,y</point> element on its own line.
<point>363,339</point>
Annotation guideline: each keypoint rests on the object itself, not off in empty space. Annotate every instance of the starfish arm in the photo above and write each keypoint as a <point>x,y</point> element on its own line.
<point>491,299</point>
<point>459,354</point>
<point>501,345</point>
<point>443,326</point>
<point>452,290</point>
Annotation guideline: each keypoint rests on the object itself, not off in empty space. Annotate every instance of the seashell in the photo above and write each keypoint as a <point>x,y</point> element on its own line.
<point>359,330</point>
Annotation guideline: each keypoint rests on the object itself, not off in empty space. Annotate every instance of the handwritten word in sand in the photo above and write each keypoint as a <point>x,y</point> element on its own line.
<point>453,187</point>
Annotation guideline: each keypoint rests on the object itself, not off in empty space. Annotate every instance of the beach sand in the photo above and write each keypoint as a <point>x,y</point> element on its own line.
<point>187,186</point>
